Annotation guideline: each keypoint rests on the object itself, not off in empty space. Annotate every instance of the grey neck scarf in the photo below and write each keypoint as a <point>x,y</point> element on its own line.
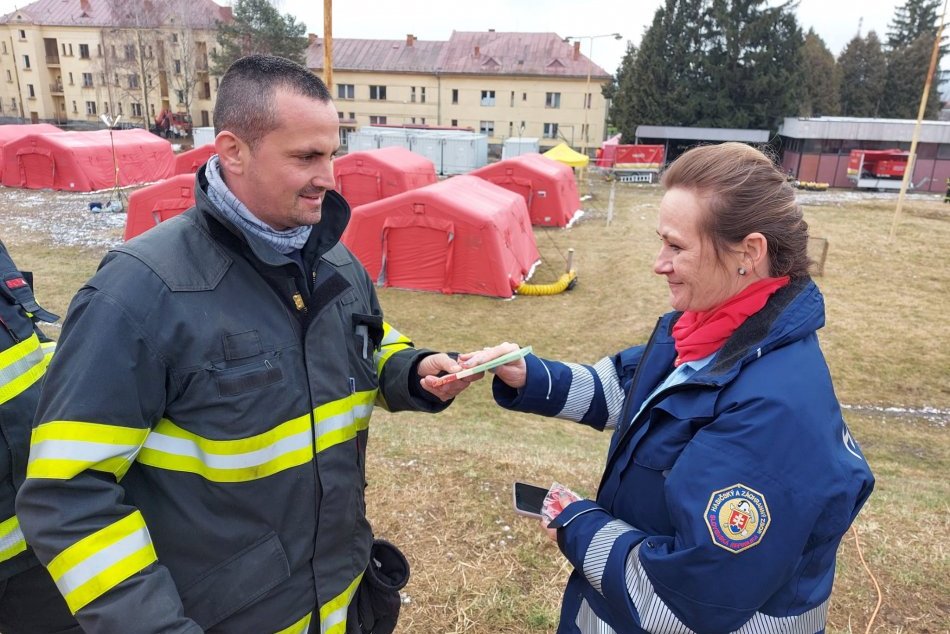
<point>237,213</point>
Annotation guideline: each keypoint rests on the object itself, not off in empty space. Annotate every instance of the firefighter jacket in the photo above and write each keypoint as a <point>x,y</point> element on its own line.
<point>24,354</point>
<point>197,462</point>
<point>724,497</point>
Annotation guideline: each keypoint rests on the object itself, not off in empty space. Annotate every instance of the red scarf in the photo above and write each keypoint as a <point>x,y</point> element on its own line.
<point>699,334</point>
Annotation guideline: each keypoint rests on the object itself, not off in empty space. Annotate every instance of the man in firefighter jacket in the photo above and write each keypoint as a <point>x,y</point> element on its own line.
<point>197,462</point>
<point>29,601</point>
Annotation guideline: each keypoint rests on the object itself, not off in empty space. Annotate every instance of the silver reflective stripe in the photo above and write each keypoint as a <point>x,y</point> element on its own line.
<point>808,623</point>
<point>613,392</point>
<point>655,616</point>
<point>189,448</point>
<point>11,539</point>
<point>344,419</point>
<point>595,559</point>
<point>18,367</point>
<point>580,395</point>
<point>80,450</point>
<point>336,617</point>
<point>98,562</point>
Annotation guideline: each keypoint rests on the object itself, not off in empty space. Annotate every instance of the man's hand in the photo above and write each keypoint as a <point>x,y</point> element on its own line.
<point>433,365</point>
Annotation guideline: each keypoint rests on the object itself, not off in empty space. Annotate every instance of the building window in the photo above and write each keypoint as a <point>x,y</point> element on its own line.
<point>64,49</point>
<point>422,95</point>
<point>205,118</point>
<point>180,94</point>
<point>550,130</point>
<point>412,95</point>
<point>75,108</point>
<point>512,103</point>
<point>587,100</point>
<point>511,128</point>
<point>455,123</point>
<point>455,95</point>
<point>87,80</point>
<point>9,77</point>
<point>377,93</point>
<point>488,97</point>
<point>151,107</point>
<point>174,38</point>
<point>552,100</point>
<point>30,91</point>
<point>133,80</point>
<point>119,106</point>
<point>136,109</point>
<point>22,34</point>
<point>105,107</point>
<point>70,50</point>
<point>129,52</point>
<point>99,50</point>
<point>3,48</point>
<point>422,120</point>
<point>26,62</point>
<point>524,96</point>
<point>487,127</point>
<point>377,120</point>
<point>116,78</point>
<point>91,107</point>
<point>71,79</point>
<point>13,101</point>
<point>345,91</point>
<point>177,65</point>
<point>585,130</point>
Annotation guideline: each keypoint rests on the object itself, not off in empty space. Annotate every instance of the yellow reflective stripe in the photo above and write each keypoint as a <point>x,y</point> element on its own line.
<point>21,366</point>
<point>100,561</point>
<point>11,539</point>
<point>300,627</point>
<point>393,341</point>
<point>62,449</point>
<point>333,612</point>
<point>338,421</point>
<point>283,447</point>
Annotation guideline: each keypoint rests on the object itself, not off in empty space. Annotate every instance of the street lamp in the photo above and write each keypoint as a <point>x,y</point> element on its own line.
<point>588,99</point>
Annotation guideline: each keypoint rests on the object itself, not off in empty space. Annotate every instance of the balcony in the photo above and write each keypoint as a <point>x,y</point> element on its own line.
<point>52,60</point>
<point>56,88</point>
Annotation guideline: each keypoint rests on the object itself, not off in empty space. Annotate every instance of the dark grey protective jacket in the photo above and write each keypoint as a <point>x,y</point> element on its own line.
<point>198,458</point>
<point>24,354</point>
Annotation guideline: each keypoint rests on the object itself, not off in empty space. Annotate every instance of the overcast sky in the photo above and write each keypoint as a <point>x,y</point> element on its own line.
<point>836,21</point>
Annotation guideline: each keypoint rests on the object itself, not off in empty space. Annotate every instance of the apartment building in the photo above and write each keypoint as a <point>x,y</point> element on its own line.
<point>501,84</point>
<point>69,62</point>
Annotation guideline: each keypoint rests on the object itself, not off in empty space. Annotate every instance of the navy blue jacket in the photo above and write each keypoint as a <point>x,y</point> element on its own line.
<point>724,499</point>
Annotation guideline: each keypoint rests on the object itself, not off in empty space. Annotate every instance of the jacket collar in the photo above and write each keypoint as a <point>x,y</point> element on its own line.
<point>325,235</point>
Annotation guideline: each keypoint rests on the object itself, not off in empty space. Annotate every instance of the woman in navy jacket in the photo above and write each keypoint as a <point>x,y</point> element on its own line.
<point>731,475</point>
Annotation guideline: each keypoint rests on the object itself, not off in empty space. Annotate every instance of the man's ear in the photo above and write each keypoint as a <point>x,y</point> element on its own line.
<point>232,152</point>
<point>755,253</point>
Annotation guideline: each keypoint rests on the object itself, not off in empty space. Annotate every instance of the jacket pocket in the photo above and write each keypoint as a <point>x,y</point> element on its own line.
<point>237,582</point>
<point>248,377</point>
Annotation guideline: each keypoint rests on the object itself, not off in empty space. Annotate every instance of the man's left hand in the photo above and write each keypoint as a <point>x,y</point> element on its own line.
<point>434,364</point>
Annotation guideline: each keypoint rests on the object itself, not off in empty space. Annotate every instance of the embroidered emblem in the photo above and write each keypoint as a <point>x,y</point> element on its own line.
<point>737,517</point>
<point>17,282</point>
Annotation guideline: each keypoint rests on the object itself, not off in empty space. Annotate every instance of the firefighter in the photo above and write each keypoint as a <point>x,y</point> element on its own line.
<point>198,459</point>
<point>29,601</point>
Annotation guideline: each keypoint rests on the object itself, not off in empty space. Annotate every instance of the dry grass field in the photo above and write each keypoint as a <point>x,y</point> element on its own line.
<point>439,486</point>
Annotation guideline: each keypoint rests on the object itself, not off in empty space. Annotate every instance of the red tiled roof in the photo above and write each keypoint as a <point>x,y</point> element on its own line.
<point>486,52</point>
<point>118,13</point>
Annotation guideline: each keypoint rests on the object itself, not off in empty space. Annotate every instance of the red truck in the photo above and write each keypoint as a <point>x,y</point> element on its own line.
<point>877,169</point>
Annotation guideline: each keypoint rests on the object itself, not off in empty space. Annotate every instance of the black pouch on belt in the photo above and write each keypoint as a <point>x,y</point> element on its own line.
<point>375,606</point>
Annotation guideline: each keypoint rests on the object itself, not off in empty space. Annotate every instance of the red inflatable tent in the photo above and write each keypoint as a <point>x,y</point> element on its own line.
<point>82,161</point>
<point>189,162</point>
<point>462,235</point>
<point>365,177</point>
<point>158,202</point>
<point>12,131</point>
<point>548,187</point>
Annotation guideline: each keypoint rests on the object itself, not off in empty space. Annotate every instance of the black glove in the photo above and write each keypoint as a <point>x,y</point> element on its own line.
<point>375,606</point>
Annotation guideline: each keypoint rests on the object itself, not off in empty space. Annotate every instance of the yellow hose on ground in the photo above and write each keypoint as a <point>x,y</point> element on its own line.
<point>564,283</point>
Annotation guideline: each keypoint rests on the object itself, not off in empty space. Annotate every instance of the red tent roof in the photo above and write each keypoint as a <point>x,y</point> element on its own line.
<point>462,235</point>
<point>83,161</point>
<point>189,162</point>
<point>12,132</point>
<point>548,187</point>
<point>158,202</point>
<point>365,177</point>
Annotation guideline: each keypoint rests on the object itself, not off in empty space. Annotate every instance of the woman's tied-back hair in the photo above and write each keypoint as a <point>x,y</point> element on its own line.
<point>245,103</point>
<point>744,192</point>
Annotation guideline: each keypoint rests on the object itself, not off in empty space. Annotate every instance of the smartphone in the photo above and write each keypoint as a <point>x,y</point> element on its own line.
<point>528,499</point>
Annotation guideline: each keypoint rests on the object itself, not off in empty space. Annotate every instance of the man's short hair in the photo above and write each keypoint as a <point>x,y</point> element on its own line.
<point>245,103</point>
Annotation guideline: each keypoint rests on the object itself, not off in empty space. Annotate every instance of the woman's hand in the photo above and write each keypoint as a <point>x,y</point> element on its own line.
<point>513,374</point>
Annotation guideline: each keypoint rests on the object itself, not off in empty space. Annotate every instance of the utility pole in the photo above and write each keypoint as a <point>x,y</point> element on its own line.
<point>328,44</point>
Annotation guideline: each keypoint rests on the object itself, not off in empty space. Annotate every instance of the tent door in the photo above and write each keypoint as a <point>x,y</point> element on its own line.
<point>417,257</point>
<point>37,169</point>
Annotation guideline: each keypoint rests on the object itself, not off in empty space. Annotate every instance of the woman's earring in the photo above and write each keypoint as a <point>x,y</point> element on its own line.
<point>742,270</point>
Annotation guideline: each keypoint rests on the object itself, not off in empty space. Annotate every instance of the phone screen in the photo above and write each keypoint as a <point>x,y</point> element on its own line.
<point>528,499</point>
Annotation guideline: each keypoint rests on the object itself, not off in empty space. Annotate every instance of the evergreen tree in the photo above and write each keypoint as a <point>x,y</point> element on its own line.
<point>259,28</point>
<point>821,89</point>
<point>620,93</point>
<point>863,71</point>
<point>753,63</point>
<point>906,74</point>
<point>913,19</point>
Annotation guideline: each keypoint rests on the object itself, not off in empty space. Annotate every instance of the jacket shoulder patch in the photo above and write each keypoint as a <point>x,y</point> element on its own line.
<point>737,517</point>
